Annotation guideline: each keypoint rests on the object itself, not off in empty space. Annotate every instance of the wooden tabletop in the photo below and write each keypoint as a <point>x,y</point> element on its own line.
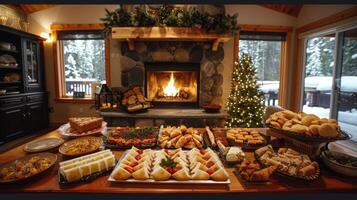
<point>48,182</point>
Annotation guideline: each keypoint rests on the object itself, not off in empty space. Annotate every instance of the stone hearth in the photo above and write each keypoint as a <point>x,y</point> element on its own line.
<point>158,117</point>
<point>211,67</point>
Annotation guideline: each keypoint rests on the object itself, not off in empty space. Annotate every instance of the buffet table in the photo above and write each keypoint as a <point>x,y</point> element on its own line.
<point>48,183</point>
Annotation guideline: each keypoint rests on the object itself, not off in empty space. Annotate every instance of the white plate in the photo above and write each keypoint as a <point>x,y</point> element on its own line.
<point>66,130</point>
<point>43,145</point>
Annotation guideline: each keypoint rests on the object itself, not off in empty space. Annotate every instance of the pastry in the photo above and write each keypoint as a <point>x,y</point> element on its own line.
<point>200,175</point>
<point>298,128</point>
<point>288,161</point>
<point>220,175</point>
<point>120,173</point>
<point>245,137</point>
<point>179,137</point>
<point>84,124</point>
<point>160,174</point>
<point>181,175</point>
<point>251,171</point>
<point>211,137</point>
<point>328,130</point>
<point>314,129</point>
<point>141,174</point>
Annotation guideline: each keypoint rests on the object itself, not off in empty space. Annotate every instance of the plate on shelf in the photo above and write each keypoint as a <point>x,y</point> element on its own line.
<point>43,163</point>
<point>43,145</point>
<point>81,146</point>
<point>67,131</point>
<point>7,60</point>
<point>303,137</point>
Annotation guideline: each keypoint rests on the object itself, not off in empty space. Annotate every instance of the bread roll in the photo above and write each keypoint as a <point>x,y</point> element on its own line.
<point>314,130</point>
<point>328,130</point>
<point>299,128</point>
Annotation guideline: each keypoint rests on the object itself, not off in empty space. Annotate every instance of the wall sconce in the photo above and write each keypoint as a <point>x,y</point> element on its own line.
<point>47,36</point>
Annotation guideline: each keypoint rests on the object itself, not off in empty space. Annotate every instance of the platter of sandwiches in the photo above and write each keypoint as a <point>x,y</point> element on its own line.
<point>83,126</point>
<point>289,163</point>
<point>86,168</point>
<point>170,166</point>
<point>306,127</point>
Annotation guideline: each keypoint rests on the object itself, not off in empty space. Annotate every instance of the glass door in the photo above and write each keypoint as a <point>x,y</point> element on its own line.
<point>31,61</point>
<point>318,75</point>
<point>346,82</point>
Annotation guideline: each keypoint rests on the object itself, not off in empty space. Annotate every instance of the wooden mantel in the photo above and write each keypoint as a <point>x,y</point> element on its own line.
<point>131,34</point>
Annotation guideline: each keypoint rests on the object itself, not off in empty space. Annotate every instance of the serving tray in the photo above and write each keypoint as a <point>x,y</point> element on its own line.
<point>62,180</point>
<point>285,175</point>
<point>245,146</point>
<point>51,156</point>
<point>160,135</point>
<point>115,146</point>
<point>171,181</point>
<point>343,136</point>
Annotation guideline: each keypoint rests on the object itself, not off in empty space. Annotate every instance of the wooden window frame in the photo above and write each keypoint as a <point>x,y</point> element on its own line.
<point>285,55</point>
<point>297,79</point>
<point>57,57</point>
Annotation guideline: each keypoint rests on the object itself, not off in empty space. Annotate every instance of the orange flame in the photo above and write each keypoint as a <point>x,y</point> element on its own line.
<point>170,89</point>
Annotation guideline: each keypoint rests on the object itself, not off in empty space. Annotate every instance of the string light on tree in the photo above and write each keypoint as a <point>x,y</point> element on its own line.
<point>245,104</point>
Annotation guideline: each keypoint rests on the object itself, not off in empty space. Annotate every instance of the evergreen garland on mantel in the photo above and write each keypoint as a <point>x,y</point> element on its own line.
<point>170,17</point>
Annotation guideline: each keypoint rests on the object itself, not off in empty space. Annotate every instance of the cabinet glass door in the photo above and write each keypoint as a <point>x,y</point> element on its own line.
<point>346,84</point>
<point>31,62</point>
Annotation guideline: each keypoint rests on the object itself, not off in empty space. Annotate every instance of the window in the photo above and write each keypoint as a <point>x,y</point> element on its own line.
<point>266,49</point>
<point>81,63</point>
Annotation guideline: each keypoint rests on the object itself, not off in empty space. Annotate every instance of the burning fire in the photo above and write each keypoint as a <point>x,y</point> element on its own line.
<point>170,89</point>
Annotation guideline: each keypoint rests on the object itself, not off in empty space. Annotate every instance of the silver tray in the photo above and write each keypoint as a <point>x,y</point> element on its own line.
<point>171,181</point>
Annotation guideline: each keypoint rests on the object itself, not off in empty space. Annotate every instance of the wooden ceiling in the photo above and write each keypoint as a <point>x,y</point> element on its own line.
<point>289,9</point>
<point>31,8</point>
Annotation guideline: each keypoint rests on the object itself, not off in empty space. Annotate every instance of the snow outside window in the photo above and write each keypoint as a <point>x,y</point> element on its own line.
<point>83,62</point>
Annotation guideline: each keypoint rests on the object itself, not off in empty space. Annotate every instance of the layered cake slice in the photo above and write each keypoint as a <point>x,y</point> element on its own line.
<point>84,124</point>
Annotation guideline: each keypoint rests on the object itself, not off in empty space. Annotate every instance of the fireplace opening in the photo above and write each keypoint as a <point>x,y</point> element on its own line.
<point>172,84</point>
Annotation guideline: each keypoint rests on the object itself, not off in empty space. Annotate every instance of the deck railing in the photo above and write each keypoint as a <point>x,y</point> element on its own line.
<point>84,85</point>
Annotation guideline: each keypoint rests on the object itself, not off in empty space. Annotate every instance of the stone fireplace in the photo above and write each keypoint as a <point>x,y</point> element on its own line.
<point>169,84</point>
<point>189,72</point>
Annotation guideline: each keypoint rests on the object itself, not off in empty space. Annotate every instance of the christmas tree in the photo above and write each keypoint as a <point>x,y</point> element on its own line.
<point>245,104</point>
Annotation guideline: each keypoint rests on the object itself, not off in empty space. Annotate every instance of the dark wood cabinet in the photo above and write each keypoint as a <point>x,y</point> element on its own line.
<point>36,116</point>
<point>24,106</point>
<point>12,122</point>
<point>22,114</point>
